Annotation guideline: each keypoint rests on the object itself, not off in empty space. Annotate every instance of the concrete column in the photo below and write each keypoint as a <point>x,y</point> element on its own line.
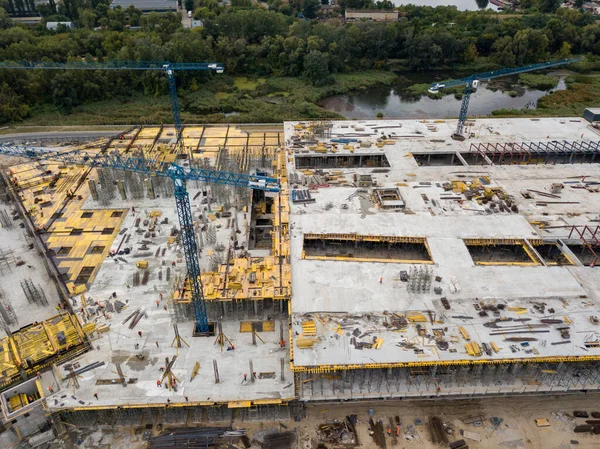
<point>150,188</point>
<point>121,188</point>
<point>93,189</point>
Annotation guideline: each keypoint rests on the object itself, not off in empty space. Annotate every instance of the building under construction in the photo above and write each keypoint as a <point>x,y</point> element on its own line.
<point>394,262</point>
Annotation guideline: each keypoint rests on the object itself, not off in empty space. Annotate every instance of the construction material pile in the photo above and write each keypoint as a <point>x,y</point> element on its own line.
<point>437,430</point>
<point>339,433</point>
<point>202,437</point>
<point>276,440</point>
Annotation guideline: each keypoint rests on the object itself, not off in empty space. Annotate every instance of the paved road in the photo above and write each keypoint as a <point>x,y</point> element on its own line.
<point>57,135</point>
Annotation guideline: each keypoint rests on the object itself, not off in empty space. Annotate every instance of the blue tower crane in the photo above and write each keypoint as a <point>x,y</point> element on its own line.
<point>164,66</point>
<point>180,175</point>
<point>471,83</point>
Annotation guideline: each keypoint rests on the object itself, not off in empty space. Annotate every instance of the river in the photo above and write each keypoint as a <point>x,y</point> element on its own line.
<point>461,5</point>
<point>393,103</point>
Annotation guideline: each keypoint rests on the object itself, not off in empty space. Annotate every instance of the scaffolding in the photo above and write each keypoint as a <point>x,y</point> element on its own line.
<point>553,152</point>
<point>589,238</point>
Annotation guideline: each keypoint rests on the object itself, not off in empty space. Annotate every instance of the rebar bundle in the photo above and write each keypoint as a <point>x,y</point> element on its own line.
<point>419,279</point>
<point>34,294</point>
<point>6,258</point>
<point>5,220</point>
<point>7,312</point>
<point>195,438</point>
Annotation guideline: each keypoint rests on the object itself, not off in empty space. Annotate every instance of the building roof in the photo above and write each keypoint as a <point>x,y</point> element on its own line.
<point>373,11</point>
<point>147,5</point>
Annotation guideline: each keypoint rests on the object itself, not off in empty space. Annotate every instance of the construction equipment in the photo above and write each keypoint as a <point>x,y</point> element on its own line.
<point>164,66</point>
<point>471,83</point>
<point>180,175</point>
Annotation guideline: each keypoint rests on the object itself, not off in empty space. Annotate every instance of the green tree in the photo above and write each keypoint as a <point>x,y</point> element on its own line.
<point>189,5</point>
<point>564,52</point>
<point>549,5</point>
<point>12,106</point>
<point>88,18</point>
<point>316,68</point>
<point>5,21</point>
<point>471,53</point>
<point>310,8</point>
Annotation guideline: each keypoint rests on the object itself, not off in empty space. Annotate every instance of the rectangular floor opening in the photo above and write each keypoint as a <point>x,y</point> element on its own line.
<point>499,252</point>
<point>440,159</point>
<point>341,161</point>
<point>365,248</point>
<point>587,255</point>
<point>552,254</point>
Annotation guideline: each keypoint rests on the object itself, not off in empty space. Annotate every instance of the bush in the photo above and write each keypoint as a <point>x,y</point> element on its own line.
<point>541,82</point>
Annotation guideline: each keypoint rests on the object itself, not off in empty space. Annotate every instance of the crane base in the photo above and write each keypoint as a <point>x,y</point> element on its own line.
<point>211,330</point>
<point>458,137</point>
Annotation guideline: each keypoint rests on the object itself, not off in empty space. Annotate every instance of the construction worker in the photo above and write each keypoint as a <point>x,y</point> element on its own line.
<point>282,343</point>
<point>161,296</point>
<point>140,334</point>
<point>157,304</point>
<point>157,343</point>
<point>381,280</point>
<point>186,399</point>
<point>158,383</point>
<point>397,430</point>
<point>50,389</point>
<point>389,431</point>
<point>96,396</point>
<point>245,378</point>
<point>254,375</point>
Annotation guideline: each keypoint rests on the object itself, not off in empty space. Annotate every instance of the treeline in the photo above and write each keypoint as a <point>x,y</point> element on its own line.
<point>258,42</point>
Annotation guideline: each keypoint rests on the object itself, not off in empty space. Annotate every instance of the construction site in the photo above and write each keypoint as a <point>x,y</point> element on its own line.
<point>337,261</point>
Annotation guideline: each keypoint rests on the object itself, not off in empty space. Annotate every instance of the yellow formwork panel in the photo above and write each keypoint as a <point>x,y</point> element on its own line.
<point>236,141</point>
<point>143,142</point>
<point>236,132</point>
<point>63,213</point>
<point>190,142</point>
<point>255,140</point>
<point>8,366</point>
<point>40,344</point>
<point>216,131</point>
<point>149,133</point>
<point>168,132</point>
<point>213,141</point>
<point>192,131</point>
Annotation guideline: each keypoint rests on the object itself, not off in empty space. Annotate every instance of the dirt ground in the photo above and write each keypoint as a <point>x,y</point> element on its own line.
<point>516,430</point>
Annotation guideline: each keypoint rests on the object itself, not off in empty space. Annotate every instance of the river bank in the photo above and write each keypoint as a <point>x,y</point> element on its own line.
<point>365,94</point>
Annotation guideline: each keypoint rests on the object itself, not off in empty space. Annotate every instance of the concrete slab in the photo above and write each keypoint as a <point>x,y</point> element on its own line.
<point>342,296</point>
